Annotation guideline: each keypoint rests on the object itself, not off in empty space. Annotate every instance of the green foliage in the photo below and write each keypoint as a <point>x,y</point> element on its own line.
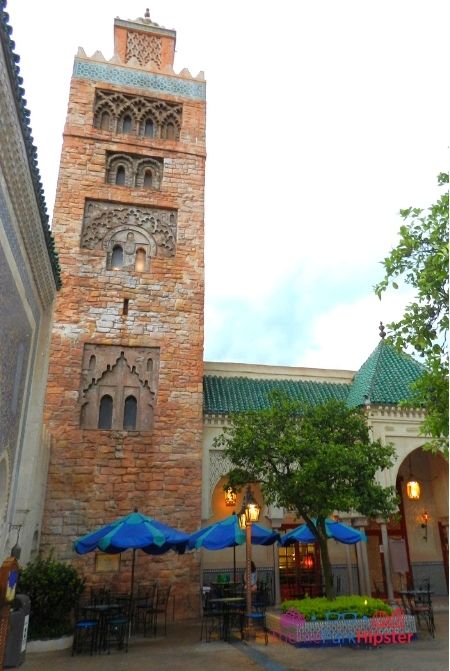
<point>421,261</point>
<point>310,459</point>
<point>315,609</point>
<point>54,588</point>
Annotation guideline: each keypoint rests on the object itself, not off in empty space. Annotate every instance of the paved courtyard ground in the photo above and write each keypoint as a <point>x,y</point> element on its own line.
<point>181,650</point>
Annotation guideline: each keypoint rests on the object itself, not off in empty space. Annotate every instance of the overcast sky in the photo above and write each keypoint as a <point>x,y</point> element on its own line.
<point>324,118</point>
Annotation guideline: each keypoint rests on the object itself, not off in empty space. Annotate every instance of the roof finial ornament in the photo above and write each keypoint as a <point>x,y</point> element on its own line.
<point>382,331</point>
<point>147,13</point>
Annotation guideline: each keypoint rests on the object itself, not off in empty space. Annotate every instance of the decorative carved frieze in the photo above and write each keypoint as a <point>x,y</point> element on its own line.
<point>145,48</point>
<point>119,373</point>
<point>24,217</point>
<point>103,221</point>
<point>137,115</point>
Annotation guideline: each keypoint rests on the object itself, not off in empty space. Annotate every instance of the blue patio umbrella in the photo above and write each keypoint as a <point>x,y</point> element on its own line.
<point>133,532</point>
<point>227,533</point>
<point>340,532</point>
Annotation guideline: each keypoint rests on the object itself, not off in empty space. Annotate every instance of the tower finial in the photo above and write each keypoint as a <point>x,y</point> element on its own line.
<point>147,13</point>
<point>382,331</point>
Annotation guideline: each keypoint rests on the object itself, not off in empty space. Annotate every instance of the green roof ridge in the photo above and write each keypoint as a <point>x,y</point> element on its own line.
<point>385,377</point>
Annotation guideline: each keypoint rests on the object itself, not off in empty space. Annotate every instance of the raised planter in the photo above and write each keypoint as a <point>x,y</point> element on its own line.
<point>50,644</point>
<point>293,628</point>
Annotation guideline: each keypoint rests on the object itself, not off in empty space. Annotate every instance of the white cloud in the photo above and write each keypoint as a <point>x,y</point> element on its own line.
<point>345,336</point>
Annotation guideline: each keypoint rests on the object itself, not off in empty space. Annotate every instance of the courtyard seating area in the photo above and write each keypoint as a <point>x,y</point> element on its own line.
<point>105,620</point>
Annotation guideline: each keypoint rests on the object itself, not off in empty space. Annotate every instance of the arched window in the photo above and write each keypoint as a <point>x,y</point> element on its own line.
<point>120,175</point>
<point>92,362</point>
<point>140,260</point>
<point>170,131</point>
<point>105,121</point>
<point>149,365</point>
<point>127,124</point>
<point>117,257</point>
<point>105,412</point>
<point>149,128</point>
<point>148,179</point>
<point>129,414</point>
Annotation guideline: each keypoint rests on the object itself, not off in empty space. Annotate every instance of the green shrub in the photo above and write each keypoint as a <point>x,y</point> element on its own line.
<point>54,588</point>
<point>315,609</point>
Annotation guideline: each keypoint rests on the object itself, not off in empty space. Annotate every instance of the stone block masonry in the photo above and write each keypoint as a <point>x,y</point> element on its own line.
<point>99,474</point>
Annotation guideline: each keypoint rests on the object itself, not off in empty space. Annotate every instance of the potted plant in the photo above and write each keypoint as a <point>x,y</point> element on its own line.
<point>54,589</point>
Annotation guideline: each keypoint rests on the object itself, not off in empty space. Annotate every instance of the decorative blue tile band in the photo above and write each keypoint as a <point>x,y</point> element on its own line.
<point>139,79</point>
<point>18,257</point>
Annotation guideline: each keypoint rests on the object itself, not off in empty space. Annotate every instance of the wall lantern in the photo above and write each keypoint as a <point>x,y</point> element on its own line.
<point>412,486</point>
<point>424,519</point>
<point>230,497</point>
<point>413,490</point>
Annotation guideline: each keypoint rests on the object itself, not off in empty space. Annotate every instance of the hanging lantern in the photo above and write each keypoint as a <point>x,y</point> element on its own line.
<point>413,490</point>
<point>230,497</point>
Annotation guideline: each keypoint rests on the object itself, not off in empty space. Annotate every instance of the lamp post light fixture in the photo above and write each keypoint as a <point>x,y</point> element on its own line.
<point>249,513</point>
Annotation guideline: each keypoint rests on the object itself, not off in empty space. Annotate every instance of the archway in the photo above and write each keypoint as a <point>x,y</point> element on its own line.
<point>424,520</point>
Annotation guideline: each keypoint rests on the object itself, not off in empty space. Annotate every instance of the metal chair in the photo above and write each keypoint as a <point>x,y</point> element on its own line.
<point>117,628</point>
<point>212,616</point>
<point>423,608</point>
<point>86,631</point>
<point>143,602</point>
<point>159,607</point>
<point>257,618</point>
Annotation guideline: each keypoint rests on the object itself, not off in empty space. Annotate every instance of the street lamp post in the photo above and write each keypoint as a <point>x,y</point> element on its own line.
<point>249,513</point>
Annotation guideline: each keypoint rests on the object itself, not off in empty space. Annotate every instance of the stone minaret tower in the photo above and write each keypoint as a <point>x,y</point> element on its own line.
<point>124,398</point>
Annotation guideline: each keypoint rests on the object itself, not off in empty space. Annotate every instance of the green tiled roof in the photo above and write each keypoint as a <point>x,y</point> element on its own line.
<point>223,395</point>
<point>385,377</point>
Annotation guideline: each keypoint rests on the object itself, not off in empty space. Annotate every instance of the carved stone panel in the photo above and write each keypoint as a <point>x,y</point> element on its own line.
<point>107,224</point>
<point>138,171</point>
<point>120,373</point>
<point>137,115</point>
<point>145,48</point>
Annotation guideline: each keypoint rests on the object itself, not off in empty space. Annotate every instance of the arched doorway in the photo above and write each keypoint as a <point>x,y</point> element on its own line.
<point>424,517</point>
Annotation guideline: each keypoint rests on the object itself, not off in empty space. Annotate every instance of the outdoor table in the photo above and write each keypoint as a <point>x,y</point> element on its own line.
<point>102,611</point>
<point>227,602</point>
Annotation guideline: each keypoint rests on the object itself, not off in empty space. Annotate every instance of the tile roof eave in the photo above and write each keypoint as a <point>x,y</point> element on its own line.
<point>23,114</point>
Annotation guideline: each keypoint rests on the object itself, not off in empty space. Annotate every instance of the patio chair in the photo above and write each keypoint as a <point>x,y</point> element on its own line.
<point>212,617</point>
<point>117,628</point>
<point>86,630</point>
<point>144,601</point>
<point>159,607</point>
<point>422,608</point>
<point>257,618</point>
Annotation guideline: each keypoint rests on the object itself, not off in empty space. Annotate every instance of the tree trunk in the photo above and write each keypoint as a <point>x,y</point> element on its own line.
<point>320,532</point>
<point>326,566</point>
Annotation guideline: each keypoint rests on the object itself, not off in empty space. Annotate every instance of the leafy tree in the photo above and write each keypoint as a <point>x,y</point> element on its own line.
<point>421,261</point>
<point>312,460</point>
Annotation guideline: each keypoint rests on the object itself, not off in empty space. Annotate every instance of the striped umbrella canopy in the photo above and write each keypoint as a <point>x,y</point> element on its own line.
<point>340,532</point>
<point>133,532</point>
<point>227,533</point>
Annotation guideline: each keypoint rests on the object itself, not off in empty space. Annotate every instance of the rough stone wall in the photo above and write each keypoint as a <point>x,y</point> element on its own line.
<point>96,475</point>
